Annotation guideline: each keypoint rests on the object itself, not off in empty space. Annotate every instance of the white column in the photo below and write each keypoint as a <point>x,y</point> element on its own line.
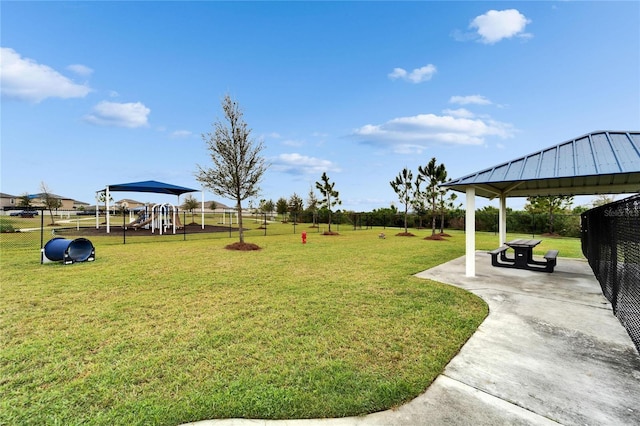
<point>98,210</point>
<point>502,220</point>
<point>106,203</point>
<point>470,233</point>
<point>202,209</point>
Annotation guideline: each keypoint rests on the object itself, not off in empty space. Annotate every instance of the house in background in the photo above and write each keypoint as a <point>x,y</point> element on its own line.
<point>37,200</point>
<point>8,201</point>
<point>129,204</point>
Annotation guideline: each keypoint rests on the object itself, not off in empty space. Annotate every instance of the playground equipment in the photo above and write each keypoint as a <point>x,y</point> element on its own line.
<point>68,251</point>
<point>163,217</point>
<point>142,220</point>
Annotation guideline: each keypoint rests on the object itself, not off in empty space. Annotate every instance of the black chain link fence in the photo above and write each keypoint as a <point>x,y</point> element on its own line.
<point>611,244</point>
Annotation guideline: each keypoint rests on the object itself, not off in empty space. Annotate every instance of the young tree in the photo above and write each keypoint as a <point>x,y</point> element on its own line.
<point>551,204</point>
<point>434,175</point>
<point>238,166</point>
<point>296,206</point>
<point>49,200</point>
<point>602,199</point>
<point>190,204</point>
<point>329,194</point>
<point>24,201</point>
<point>282,207</point>
<point>266,207</point>
<point>312,203</point>
<point>403,186</point>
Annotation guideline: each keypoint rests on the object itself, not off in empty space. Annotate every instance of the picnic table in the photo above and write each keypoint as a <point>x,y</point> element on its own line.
<point>523,256</point>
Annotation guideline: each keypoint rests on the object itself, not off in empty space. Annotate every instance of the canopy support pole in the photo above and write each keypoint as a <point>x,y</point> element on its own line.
<point>470,232</point>
<point>106,203</point>
<point>502,219</point>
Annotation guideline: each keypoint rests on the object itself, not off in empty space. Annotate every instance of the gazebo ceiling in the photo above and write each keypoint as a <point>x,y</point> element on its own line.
<point>602,162</point>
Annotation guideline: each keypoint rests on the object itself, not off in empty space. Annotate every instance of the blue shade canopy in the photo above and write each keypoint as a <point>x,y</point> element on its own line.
<point>602,162</point>
<point>151,186</point>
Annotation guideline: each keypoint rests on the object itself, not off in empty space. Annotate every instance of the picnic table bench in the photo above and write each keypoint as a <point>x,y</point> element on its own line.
<point>523,256</point>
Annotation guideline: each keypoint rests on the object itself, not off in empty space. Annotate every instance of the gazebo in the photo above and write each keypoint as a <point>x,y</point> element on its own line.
<point>145,186</point>
<point>601,162</point>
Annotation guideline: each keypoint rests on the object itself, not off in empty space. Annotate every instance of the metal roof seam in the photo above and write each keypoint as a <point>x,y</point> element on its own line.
<point>633,143</point>
<point>593,154</point>
<point>613,150</point>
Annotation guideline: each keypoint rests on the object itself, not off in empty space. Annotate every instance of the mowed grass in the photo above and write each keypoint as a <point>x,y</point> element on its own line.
<point>164,333</point>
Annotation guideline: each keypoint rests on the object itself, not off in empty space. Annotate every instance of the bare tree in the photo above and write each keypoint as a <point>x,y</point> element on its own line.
<point>49,200</point>
<point>238,166</point>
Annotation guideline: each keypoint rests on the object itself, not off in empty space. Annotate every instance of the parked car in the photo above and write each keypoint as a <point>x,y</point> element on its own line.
<point>25,213</point>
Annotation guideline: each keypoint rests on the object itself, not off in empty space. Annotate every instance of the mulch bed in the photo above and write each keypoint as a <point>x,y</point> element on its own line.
<point>242,246</point>
<point>437,237</point>
<point>117,231</point>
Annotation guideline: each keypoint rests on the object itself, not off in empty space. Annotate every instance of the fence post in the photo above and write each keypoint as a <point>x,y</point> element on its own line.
<point>41,237</point>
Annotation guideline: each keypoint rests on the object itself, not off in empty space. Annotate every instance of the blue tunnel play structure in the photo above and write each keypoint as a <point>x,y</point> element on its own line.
<point>68,251</point>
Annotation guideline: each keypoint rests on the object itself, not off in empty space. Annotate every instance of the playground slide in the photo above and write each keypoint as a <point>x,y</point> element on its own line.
<point>141,224</point>
<point>178,223</point>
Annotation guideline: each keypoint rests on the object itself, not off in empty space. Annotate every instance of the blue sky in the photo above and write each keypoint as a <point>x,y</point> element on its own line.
<point>97,93</point>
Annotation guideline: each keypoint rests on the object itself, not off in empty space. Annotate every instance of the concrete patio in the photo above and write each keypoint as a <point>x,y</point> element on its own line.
<point>550,352</point>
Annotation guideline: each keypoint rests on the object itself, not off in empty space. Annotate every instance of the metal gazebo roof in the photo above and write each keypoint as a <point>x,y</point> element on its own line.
<point>151,186</point>
<point>601,162</point>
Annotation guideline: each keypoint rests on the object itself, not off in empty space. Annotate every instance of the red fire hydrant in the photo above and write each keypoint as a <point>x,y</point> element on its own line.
<point>304,237</point>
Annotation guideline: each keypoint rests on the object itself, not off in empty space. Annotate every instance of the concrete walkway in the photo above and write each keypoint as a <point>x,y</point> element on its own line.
<point>550,352</point>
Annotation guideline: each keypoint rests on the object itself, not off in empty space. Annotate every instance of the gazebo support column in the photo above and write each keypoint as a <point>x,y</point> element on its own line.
<point>502,219</point>
<point>107,207</point>
<point>470,232</point>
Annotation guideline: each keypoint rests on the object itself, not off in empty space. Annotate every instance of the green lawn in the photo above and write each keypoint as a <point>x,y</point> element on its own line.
<point>169,332</point>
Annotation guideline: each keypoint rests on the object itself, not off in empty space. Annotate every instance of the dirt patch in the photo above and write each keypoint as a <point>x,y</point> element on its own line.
<point>242,246</point>
<point>330,233</point>
<point>405,234</point>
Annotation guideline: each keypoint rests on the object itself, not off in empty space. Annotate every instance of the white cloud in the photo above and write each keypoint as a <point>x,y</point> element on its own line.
<point>413,134</point>
<point>298,164</point>
<point>80,69</point>
<point>460,112</point>
<point>119,114</point>
<point>472,99</point>
<point>496,25</point>
<point>292,142</point>
<point>181,134</point>
<point>418,75</point>
<point>26,80</point>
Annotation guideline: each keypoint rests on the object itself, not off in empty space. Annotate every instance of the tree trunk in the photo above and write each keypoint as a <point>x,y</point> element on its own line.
<point>433,216</point>
<point>405,219</point>
<point>240,231</point>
